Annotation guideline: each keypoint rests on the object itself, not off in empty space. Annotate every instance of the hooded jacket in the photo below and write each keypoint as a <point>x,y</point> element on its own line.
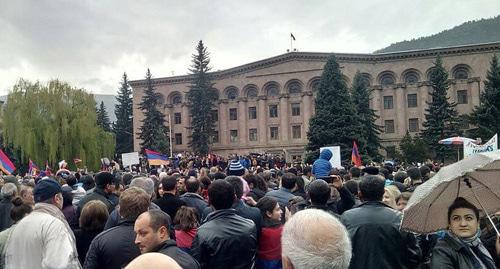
<point>322,166</point>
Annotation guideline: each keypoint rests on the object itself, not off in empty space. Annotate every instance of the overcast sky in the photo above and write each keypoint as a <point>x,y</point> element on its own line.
<point>91,43</point>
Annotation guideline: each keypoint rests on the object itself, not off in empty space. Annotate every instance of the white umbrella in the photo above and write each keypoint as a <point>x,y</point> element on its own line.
<point>477,179</point>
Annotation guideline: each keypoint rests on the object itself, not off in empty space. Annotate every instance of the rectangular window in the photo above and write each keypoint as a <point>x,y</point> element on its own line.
<point>413,125</point>
<point>178,139</point>
<point>295,109</point>
<point>252,134</point>
<point>273,111</point>
<point>233,135</point>
<point>274,133</point>
<point>296,132</point>
<point>233,114</point>
<point>252,113</point>
<point>462,97</point>
<point>215,137</point>
<point>215,115</point>
<point>411,99</point>
<point>177,118</point>
<point>389,126</point>
<point>388,102</point>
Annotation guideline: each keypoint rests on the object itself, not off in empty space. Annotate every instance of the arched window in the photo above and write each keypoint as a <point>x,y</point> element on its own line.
<point>461,73</point>
<point>387,79</point>
<point>366,79</point>
<point>252,92</point>
<point>314,84</point>
<point>272,90</point>
<point>232,93</point>
<point>176,99</point>
<point>294,87</point>
<point>411,77</point>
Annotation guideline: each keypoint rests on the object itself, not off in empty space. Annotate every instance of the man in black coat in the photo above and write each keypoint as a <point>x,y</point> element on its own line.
<point>105,186</point>
<point>225,240</point>
<point>373,227</point>
<point>319,191</point>
<point>192,198</point>
<point>115,248</point>
<point>152,235</point>
<point>9,191</point>
<point>169,203</point>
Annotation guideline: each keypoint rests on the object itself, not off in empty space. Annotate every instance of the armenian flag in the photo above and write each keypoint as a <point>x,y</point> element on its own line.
<point>355,157</point>
<point>156,158</point>
<point>5,164</point>
<point>32,168</point>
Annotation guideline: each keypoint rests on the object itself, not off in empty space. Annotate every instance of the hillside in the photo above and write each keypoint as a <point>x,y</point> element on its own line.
<point>472,32</point>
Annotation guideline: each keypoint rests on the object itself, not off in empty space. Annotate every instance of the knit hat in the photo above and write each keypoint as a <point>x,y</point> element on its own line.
<point>371,170</point>
<point>236,169</point>
<point>45,189</point>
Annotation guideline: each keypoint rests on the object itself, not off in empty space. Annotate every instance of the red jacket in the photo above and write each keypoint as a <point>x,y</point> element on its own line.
<point>270,243</point>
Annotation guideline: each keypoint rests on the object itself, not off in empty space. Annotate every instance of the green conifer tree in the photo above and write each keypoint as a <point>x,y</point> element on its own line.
<point>486,116</point>
<point>441,117</point>
<point>123,127</point>
<point>335,121</point>
<point>201,99</point>
<point>153,132</point>
<point>361,98</point>
<point>103,118</point>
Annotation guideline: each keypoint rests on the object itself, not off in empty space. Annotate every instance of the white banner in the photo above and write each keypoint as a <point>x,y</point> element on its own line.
<point>470,148</point>
<point>129,159</point>
<point>335,160</point>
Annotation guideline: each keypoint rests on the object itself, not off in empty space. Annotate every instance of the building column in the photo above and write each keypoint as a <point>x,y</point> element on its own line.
<point>242,122</point>
<point>376,103</point>
<point>185,122</point>
<point>223,118</point>
<point>284,118</point>
<point>262,119</point>
<point>306,114</point>
<point>400,106</point>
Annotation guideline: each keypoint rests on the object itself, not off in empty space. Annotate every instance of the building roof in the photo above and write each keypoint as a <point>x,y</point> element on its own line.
<point>323,56</point>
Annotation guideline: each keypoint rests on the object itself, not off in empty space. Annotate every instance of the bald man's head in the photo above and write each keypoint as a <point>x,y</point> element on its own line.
<point>313,238</point>
<point>153,261</point>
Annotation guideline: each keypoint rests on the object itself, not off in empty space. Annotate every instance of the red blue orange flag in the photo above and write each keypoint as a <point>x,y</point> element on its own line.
<point>5,164</point>
<point>355,157</point>
<point>156,158</point>
<point>32,168</point>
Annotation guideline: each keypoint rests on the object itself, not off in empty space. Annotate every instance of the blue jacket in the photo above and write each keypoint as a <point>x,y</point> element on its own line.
<point>322,166</point>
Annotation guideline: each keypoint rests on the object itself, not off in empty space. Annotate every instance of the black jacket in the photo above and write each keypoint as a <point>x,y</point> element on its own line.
<point>449,254</point>
<point>225,240</point>
<point>113,248</point>
<point>376,239</point>
<point>195,201</point>
<point>169,203</point>
<point>5,220</point>
<point>83,241</point>
<point>345,203</point>
<point>97,194</point>
<point>170,249</point>
<point>243,210</point>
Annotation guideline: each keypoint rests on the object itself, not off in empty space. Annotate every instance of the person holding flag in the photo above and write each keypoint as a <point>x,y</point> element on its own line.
<point>32,168</point>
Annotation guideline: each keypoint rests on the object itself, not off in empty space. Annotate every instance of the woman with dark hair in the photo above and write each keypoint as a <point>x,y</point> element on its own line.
<point>258,186</point>
<point>461,247</point>
<point>185,225</point>
<point>269,251</point>
<point>19,210</point>
<point>92,220</point>
<point>69,209</point>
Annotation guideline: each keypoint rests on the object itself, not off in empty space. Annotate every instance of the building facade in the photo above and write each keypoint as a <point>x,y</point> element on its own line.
<point>265,106</point>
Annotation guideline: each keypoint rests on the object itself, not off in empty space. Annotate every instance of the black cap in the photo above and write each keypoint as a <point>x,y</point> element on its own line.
<point>371,170</point>
<point>45,189</point>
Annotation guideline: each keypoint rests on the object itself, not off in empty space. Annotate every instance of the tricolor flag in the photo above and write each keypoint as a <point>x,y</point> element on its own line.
<point>5,164</point>
<point>355,157</point>
<point>32,167</point>
<point>156,158</point>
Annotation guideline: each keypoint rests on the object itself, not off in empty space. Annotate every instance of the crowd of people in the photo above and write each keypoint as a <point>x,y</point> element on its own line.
<point>244,214</point>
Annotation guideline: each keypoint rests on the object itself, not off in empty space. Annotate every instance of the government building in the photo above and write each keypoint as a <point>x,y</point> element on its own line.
<point>265,106</point>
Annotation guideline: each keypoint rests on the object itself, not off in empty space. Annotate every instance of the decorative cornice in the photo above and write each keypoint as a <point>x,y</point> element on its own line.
<point>322,57</point>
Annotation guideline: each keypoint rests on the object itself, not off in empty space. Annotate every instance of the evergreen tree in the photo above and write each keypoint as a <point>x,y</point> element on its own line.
<point>335,121</point>
<point>153,132</point>
<point>371,131</point>
<point>441,117</point>
<point>486,116</point>
<point>103,118</point>
<point>123,126</point>
<point>414,149</point>
<point>201,99</point>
